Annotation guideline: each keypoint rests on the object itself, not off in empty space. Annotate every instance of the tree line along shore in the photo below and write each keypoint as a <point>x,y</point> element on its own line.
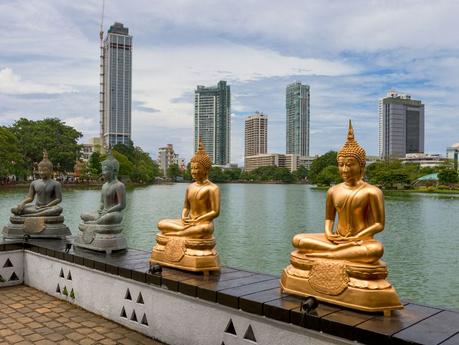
<point>22,145</point>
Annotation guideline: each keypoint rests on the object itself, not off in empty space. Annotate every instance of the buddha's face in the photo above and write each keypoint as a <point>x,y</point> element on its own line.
<point>107,171</point>
<point>349,169</point>
<point>44,171</point>
<point>198,172</point>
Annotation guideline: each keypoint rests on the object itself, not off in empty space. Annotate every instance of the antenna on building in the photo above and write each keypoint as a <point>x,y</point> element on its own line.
<point>102,77</point>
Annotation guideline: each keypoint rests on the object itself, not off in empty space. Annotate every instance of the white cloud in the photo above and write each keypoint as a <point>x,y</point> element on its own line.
<point>12,84</point>
<point>350,53</point>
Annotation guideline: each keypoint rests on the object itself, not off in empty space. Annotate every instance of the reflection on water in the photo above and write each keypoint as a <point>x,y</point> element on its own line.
<point>257,223</point>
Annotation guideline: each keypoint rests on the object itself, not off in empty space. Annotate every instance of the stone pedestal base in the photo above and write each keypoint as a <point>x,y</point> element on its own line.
<point>353,285</point>
<point>196,255</point>
<point>36,227</point>
<point>101,238</point>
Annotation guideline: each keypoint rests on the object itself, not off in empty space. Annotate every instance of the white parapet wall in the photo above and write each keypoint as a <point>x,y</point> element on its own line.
<point>168,316</point>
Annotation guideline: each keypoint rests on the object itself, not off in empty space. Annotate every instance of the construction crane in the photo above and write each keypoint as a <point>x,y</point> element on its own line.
<point>102,78</point>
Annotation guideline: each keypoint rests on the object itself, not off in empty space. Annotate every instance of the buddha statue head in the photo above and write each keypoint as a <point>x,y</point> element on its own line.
<point>200,163</point>
<point>351,158</point>
<point>45,167</point>
<point>110,167</point>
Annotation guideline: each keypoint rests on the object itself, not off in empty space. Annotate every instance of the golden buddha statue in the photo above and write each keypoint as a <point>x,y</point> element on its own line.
<point>343,266</point>
<point>188,243</point>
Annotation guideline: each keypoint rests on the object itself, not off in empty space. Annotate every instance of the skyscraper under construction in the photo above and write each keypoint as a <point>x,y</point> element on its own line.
<point>116,86</point>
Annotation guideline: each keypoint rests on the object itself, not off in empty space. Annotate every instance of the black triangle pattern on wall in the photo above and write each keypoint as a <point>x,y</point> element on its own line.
<point>123,313</point>
<point>230,328</point>
<point>8,263</point>
<point>144,320</point>
<point>249,334</point>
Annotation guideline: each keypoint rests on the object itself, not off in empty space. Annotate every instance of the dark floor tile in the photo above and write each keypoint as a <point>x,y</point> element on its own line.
<point>125,272</point>
<point>139,276</point>
<point>154,279</point>
<point>88,262</point>
<point>342,323</point>
<point>312,320</point>
<point>279,309</point>
<point>253,303</point>
<point>230,297</point>
<point>171,278</point>
<point>454,340</point>
<point>100,266</point>
<point>432,330</point>
<point>112,269</point>
<point>68,257</point>
<point>382,327</point>
<point>208,291</point>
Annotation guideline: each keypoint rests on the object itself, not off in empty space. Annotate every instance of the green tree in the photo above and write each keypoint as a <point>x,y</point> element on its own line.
<point>232,174</point>
<point>60,140</point>
<point>187,173</point>
<point>126,167</point>
<point>11,158</point>
<point>301,173</point>
<point>284,175</point>
<point>328,176</point>
<point>173,171</point>
<point>94,164</point>
<point>216,174</point>
<point>142,168</point>
<point>447,176</point>
<point>320,163</point>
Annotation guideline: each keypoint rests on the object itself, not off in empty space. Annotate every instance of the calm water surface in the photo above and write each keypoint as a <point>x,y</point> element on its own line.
<point>257,223</point>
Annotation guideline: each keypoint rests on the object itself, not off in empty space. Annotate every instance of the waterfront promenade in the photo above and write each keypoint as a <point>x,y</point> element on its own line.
<point>29,316</point>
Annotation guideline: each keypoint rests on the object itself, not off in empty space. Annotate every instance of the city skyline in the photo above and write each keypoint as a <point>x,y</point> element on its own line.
<point>50,66</point>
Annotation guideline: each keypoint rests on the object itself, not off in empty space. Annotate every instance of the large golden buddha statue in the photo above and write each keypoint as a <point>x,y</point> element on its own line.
<point>188,243</point>
<point>342,265</point>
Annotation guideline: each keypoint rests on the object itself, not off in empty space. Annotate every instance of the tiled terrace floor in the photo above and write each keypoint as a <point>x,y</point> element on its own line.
<point>29,316</point>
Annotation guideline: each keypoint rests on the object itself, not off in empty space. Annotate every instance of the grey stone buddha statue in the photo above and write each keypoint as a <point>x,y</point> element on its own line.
<point>42,218</point>
<point>101,230</point>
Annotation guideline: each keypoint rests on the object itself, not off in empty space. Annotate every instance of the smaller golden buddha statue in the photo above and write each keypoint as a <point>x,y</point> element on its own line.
<point>188,243</point>
<point>343,266</point>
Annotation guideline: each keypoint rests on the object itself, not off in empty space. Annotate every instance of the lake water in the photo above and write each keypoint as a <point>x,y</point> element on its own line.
<point>257,222</point>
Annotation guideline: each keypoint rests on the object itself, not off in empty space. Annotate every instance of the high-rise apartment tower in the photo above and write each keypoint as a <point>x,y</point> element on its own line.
<point>297,126</point>
<point>401,125</point>
<point>117,84</point>
<point>256,134</point>
<point>212,121</point>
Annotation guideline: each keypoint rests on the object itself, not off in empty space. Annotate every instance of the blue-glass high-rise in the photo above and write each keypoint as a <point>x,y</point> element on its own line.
<point>297,119</point>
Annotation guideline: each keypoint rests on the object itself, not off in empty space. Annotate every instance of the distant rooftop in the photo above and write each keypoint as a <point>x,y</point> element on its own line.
<point>400,98</point>
<point>118,28</point>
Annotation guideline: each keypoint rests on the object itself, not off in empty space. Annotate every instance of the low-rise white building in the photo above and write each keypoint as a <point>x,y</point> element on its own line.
<point>424,159</point>
<point>290,161</point>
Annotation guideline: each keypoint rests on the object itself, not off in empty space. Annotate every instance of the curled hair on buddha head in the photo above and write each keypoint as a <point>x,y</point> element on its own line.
<point>351,148</point>
<point>201,157</point>
<point>45,162</point>
<point>112,163</point>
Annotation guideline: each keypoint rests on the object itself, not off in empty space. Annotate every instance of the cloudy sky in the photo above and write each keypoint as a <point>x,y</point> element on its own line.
<point>349,52</point>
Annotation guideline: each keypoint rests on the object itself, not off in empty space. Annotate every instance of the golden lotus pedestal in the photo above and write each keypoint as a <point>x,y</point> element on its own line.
<point>196,255</point>
<point>353,285</point>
